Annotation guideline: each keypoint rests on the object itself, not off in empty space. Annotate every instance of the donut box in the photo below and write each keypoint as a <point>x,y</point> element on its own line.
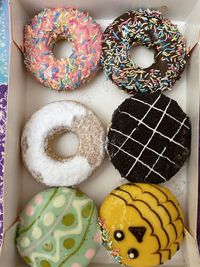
<point>26,96</point>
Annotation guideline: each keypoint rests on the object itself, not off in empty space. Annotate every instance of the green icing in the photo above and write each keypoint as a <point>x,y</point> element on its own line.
<point>40,213</point>
<point>68,219</point>
<point>74,228</point>
<point>79,194</point>
<point>81,243</point>
<point>45,264</point>
<point>48,247</point>
<point>27,260</point>
<point>87,210</point>
<point>69,243</point>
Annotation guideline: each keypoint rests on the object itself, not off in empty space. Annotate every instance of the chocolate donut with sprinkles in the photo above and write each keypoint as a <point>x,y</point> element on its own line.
<point>151,29</point>
<point>40,37</point>
<point>149,138</point>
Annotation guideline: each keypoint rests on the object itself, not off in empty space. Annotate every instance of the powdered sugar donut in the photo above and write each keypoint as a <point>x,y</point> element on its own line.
<point>54,119</point>
<point>40,37</point>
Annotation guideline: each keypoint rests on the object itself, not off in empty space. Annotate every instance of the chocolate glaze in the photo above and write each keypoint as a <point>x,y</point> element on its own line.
<point>138,232</point>
<point>151,29</point>
<point>133,251</point>
<point>149,138</point>
<point>119,235</point>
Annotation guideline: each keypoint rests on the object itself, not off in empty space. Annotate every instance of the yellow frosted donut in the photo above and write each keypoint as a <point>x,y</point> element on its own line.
<point>142,224</point>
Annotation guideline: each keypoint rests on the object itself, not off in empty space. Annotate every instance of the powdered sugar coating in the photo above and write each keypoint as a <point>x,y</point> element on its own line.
<point>66,116</point>
<point>40,37</point>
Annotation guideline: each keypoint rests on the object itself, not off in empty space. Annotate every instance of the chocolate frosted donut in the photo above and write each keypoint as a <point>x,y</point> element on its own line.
<point>149,138</point>
<point>151,29</point>
<point>57,118</point>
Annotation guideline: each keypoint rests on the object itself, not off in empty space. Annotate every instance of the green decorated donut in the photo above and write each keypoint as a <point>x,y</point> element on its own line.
<point>58,228</point>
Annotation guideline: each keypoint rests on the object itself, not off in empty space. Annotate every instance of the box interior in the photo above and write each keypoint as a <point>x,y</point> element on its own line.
<point>26,96</point>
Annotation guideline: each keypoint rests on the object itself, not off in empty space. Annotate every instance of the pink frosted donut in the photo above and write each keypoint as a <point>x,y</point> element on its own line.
<point>41,35</point>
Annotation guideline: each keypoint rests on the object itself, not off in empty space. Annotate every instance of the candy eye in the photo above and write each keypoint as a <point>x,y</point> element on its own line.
<point>118,235</point>
<point>133,253</point>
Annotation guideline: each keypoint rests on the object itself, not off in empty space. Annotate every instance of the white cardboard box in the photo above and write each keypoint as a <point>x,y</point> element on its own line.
<point>26,96</point>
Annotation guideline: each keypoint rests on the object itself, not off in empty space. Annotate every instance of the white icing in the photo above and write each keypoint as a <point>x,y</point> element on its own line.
<point>49,219</point>
<point>54,173</point>
<point>25,242</point>
<point>65,174</point>
<point>131,255</point>
<point>37,232</point>
<point>66,190</point>
<point>59,201</point>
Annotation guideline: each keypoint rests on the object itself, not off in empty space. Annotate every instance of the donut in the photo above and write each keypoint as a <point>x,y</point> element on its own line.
<point>151,29</point>
<point>58,227</point>
<point>55,119</point>
<point>149,138</point>
<point>142,224</point>
<point>40,37</point>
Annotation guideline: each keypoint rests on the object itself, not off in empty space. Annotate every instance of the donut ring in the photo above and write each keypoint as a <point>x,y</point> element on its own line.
<point>40,38</point>
<point>151,29</point>
<point>54,119</point>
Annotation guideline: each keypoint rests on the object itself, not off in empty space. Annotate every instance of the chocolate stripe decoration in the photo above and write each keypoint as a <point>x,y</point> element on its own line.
<point>133,206</point>
<point>139,200</point>
<point>179,218</point>
<point>160,205</point>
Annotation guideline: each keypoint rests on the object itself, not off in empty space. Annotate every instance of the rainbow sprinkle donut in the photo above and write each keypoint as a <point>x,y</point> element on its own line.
<point>40,37</point>
<point>151,29</point>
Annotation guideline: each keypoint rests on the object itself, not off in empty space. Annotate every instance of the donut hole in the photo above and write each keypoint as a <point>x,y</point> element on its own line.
<point>61,145</point>
<point>62,49</point>
<point>142,56</point>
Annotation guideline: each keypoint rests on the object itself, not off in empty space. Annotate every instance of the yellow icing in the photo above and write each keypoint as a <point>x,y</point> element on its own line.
<point>150,207</point>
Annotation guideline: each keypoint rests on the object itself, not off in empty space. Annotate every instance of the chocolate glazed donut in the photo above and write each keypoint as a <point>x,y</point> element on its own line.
<point>151,29</point>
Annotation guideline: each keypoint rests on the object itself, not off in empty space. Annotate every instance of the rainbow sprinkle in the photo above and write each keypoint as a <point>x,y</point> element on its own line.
<point>151,29</point>
<point>114,253</point>
<point>40,37</point>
